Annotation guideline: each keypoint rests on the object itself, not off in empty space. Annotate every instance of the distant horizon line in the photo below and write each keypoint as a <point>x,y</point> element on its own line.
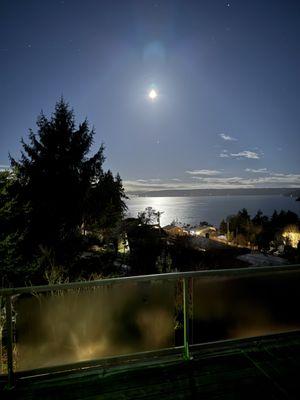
<point>292,191</point>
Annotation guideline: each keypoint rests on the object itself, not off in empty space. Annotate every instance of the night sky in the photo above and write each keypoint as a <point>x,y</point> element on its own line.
<point>227,75</point>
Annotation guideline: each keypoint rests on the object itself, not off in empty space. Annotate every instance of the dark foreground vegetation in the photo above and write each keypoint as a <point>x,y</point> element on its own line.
<point>279,233</point>
<point>56,202</point>
<point>62,217</point>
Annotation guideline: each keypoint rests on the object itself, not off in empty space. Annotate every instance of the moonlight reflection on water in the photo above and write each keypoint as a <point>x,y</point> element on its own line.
<point>192,210</point>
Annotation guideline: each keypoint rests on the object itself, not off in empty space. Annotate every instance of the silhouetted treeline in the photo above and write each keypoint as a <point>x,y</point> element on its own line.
<point>55,199</point>
<point>260,230</point>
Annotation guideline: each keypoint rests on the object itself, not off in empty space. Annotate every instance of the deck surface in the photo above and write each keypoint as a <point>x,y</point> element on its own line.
<point>260,368</point>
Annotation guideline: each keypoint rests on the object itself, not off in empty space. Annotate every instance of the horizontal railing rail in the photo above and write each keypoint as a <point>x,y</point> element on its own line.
<point>185,277</point>
<point>217,273</point>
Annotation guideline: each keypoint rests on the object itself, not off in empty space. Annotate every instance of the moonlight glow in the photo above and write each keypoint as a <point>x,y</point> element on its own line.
<point>152,94</point>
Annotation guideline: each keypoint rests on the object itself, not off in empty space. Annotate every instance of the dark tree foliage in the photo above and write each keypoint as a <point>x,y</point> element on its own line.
<point>13,231</point>
<point>108,192</point>
<point>57,190</point>
<point>54,175</point>
<point>260,230</point>
<point>223,227</point>
<point>146,244</point>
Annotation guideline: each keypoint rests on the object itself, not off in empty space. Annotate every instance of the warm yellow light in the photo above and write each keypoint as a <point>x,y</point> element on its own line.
<point>292,236</point>
<point>152,94</point>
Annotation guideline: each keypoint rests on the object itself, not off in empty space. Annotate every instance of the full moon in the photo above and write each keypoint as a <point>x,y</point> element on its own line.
<point>152,94</point>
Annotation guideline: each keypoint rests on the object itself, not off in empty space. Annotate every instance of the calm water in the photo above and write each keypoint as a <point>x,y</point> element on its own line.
<point>213,209</point>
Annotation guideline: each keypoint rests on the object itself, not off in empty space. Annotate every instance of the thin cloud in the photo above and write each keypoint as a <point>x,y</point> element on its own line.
<point>148,180</point>
<point>226,182</point>
<point>146,186</point>
<point>227,137</point>
<point>224,154</point>
<point>257,171</point>
<point>209,172</point>
<point>213,182</point>
<point>242,154</point>
<point>279,179</point>
<point>246,154</point>
<point>286,176</point>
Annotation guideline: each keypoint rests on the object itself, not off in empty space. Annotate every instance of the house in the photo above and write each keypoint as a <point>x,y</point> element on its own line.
<point>174,230</point>
<point>204,231</point>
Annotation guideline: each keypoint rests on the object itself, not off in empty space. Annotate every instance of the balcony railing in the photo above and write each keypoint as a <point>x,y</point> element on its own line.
<point>74,325</point>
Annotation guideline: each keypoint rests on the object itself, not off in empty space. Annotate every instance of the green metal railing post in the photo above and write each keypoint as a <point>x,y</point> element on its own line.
<point>186,350</point>
<point>9,347</point>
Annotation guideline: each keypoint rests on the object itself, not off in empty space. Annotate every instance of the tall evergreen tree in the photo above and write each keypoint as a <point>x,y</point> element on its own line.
<point>104,202</point>
<point>57,179</point>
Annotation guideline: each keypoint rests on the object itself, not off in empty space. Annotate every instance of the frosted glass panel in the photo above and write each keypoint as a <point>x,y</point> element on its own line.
<point>85,324</point>
<point>227,308</point>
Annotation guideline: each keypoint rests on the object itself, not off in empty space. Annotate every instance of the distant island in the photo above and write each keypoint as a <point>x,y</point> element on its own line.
<point>219,192</point>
